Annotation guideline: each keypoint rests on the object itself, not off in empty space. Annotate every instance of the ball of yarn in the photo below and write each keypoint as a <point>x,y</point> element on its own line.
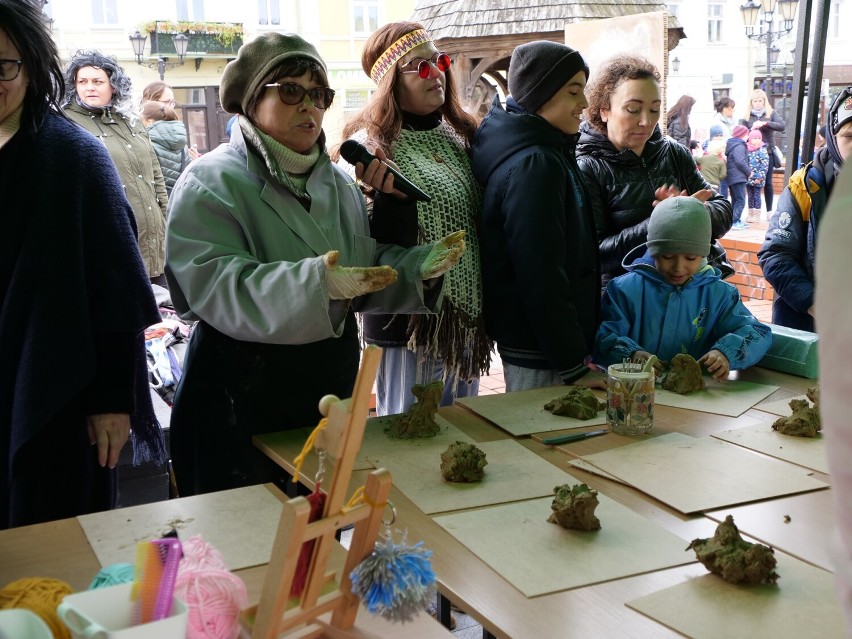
<point>213,595</point>
<point>113,575</point>
<point>197,553</point>
<point>40,595</point>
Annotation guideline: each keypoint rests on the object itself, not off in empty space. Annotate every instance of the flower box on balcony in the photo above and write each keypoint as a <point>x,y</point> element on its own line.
<point>204,37</point>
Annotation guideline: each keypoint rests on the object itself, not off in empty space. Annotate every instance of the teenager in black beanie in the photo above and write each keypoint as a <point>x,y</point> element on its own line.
<point>539,250</point>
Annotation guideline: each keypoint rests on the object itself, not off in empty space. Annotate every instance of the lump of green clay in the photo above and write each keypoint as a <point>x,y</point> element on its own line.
<point>419,420</point>
<point>734,559</point>
<point>579,402</point>
<point>805,420</point>
<point>462,463</point>
<point>574,507</point>
<point>683,375</point>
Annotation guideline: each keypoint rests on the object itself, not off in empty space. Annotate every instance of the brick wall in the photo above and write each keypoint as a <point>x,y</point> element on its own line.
<point>742,254</point>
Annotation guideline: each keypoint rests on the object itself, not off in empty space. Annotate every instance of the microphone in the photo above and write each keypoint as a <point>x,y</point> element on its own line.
<point>353,152</point>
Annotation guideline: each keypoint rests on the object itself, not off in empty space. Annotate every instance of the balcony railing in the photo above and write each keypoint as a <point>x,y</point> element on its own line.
<point>210,38</point>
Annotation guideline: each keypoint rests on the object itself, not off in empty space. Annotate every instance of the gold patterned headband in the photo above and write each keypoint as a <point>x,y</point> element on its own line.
<point>395,51</point>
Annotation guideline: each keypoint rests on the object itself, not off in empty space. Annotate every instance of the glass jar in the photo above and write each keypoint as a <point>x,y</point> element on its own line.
<point>629,399</point>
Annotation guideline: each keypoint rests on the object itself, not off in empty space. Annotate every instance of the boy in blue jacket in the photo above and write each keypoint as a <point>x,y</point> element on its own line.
<point>671,301</point>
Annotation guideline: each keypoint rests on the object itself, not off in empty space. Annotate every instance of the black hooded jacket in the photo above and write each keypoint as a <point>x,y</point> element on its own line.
<point>540,264</point>
<point>621,186</point>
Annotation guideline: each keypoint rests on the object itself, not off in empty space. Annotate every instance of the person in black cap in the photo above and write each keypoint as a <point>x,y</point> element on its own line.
<point>789,250</point>
<point>538,245</point>
<point>269,248</point>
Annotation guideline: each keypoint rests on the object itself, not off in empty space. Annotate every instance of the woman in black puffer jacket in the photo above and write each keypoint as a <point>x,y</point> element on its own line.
<point>629,165</point>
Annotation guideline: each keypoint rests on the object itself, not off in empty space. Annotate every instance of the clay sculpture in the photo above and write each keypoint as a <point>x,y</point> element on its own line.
<point>579,402</point>
<point>735,560</point>
<point>683,375</point>
<point>463,463</point>
<point>805,420</point>
<point>574,507</point>
<point>419,420</point>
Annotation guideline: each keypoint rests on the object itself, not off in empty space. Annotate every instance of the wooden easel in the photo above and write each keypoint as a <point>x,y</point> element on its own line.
<point>276,615</point>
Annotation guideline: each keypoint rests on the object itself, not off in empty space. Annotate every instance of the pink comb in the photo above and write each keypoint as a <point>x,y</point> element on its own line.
<point>170,552</point>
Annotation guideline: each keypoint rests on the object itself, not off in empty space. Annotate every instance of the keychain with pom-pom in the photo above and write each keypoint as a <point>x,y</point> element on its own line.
<point>396,581</point>
<point>317,503</point>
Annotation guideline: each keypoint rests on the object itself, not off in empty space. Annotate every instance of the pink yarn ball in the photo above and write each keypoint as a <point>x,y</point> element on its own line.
<point>197,553</point>
<point>213,595</point>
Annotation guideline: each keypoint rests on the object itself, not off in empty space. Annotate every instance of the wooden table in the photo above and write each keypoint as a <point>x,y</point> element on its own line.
<point>60,549</point>
<point>599,610</point>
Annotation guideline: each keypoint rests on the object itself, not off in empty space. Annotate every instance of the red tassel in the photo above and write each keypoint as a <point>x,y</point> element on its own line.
<point>317,501</point>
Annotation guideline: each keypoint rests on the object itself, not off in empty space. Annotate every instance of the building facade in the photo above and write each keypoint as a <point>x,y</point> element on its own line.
<point>216,28</point>
<point>716,58</point>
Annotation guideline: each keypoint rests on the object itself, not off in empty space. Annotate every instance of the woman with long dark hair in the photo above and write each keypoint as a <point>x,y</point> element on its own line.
<point>74,297</point>
<point>678,120</point>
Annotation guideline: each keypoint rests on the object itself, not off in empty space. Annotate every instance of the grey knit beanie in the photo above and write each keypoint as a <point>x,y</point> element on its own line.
<point>679,225</point>
<point>539,69</point>
<point>255,61</point>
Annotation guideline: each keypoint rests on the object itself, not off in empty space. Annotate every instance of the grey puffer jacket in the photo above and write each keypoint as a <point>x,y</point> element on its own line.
<point>621,191</point>
<point>168,138</point>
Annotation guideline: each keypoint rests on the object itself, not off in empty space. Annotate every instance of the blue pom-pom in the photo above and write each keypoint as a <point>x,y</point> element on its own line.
<point>396,581</point>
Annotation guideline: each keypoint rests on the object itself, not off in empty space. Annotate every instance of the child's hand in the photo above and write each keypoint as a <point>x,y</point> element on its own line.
<point>659,367</point>
<point>716,363</point>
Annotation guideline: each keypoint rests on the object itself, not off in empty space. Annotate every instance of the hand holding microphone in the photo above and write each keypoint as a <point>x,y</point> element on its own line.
<point>354,152</point>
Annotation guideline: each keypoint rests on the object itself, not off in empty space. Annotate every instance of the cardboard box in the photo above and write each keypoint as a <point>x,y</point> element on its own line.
<point>793,352</point>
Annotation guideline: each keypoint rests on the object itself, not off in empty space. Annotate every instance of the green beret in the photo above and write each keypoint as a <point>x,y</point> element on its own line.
<point>255,61</point>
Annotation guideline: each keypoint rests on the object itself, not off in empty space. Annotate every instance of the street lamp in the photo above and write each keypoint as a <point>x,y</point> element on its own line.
<point>675,65</point>
<point>137,40</point>
<point>750,12</point>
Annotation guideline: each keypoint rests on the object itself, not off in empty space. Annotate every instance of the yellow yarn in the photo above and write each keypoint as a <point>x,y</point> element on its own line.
<point>40,595</point>
<point>356,498</point>
<point>309,444</point>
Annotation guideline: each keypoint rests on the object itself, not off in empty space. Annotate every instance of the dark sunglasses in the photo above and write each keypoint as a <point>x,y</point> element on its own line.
<point>292,94</point>
<point>441,61</point>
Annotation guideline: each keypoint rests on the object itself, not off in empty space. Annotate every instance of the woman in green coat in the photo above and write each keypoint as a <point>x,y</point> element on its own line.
<point>98,99</point>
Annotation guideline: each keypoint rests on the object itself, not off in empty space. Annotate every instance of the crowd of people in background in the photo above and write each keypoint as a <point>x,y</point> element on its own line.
<point>556,229</point>
<point>537,228</point>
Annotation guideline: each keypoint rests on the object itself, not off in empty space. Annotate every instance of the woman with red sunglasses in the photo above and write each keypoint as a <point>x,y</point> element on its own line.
<point>415,119</point>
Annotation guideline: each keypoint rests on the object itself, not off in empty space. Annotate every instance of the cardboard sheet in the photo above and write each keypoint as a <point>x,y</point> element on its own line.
<point>378,450</point>
<point>512,473</point>
<point>801,604</point>
<point>782,406</point>
<point>804,451</point>
<point>522,412</point>
<point>240,523</point>
<point>584,465</point>
<point>800,525</point>
<point>290,442</point>
<point>695,474</point>
<point>538,557</point>
<point>731,398</point>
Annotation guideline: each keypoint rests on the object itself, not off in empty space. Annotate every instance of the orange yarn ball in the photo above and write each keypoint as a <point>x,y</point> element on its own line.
<point>40,595</point>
